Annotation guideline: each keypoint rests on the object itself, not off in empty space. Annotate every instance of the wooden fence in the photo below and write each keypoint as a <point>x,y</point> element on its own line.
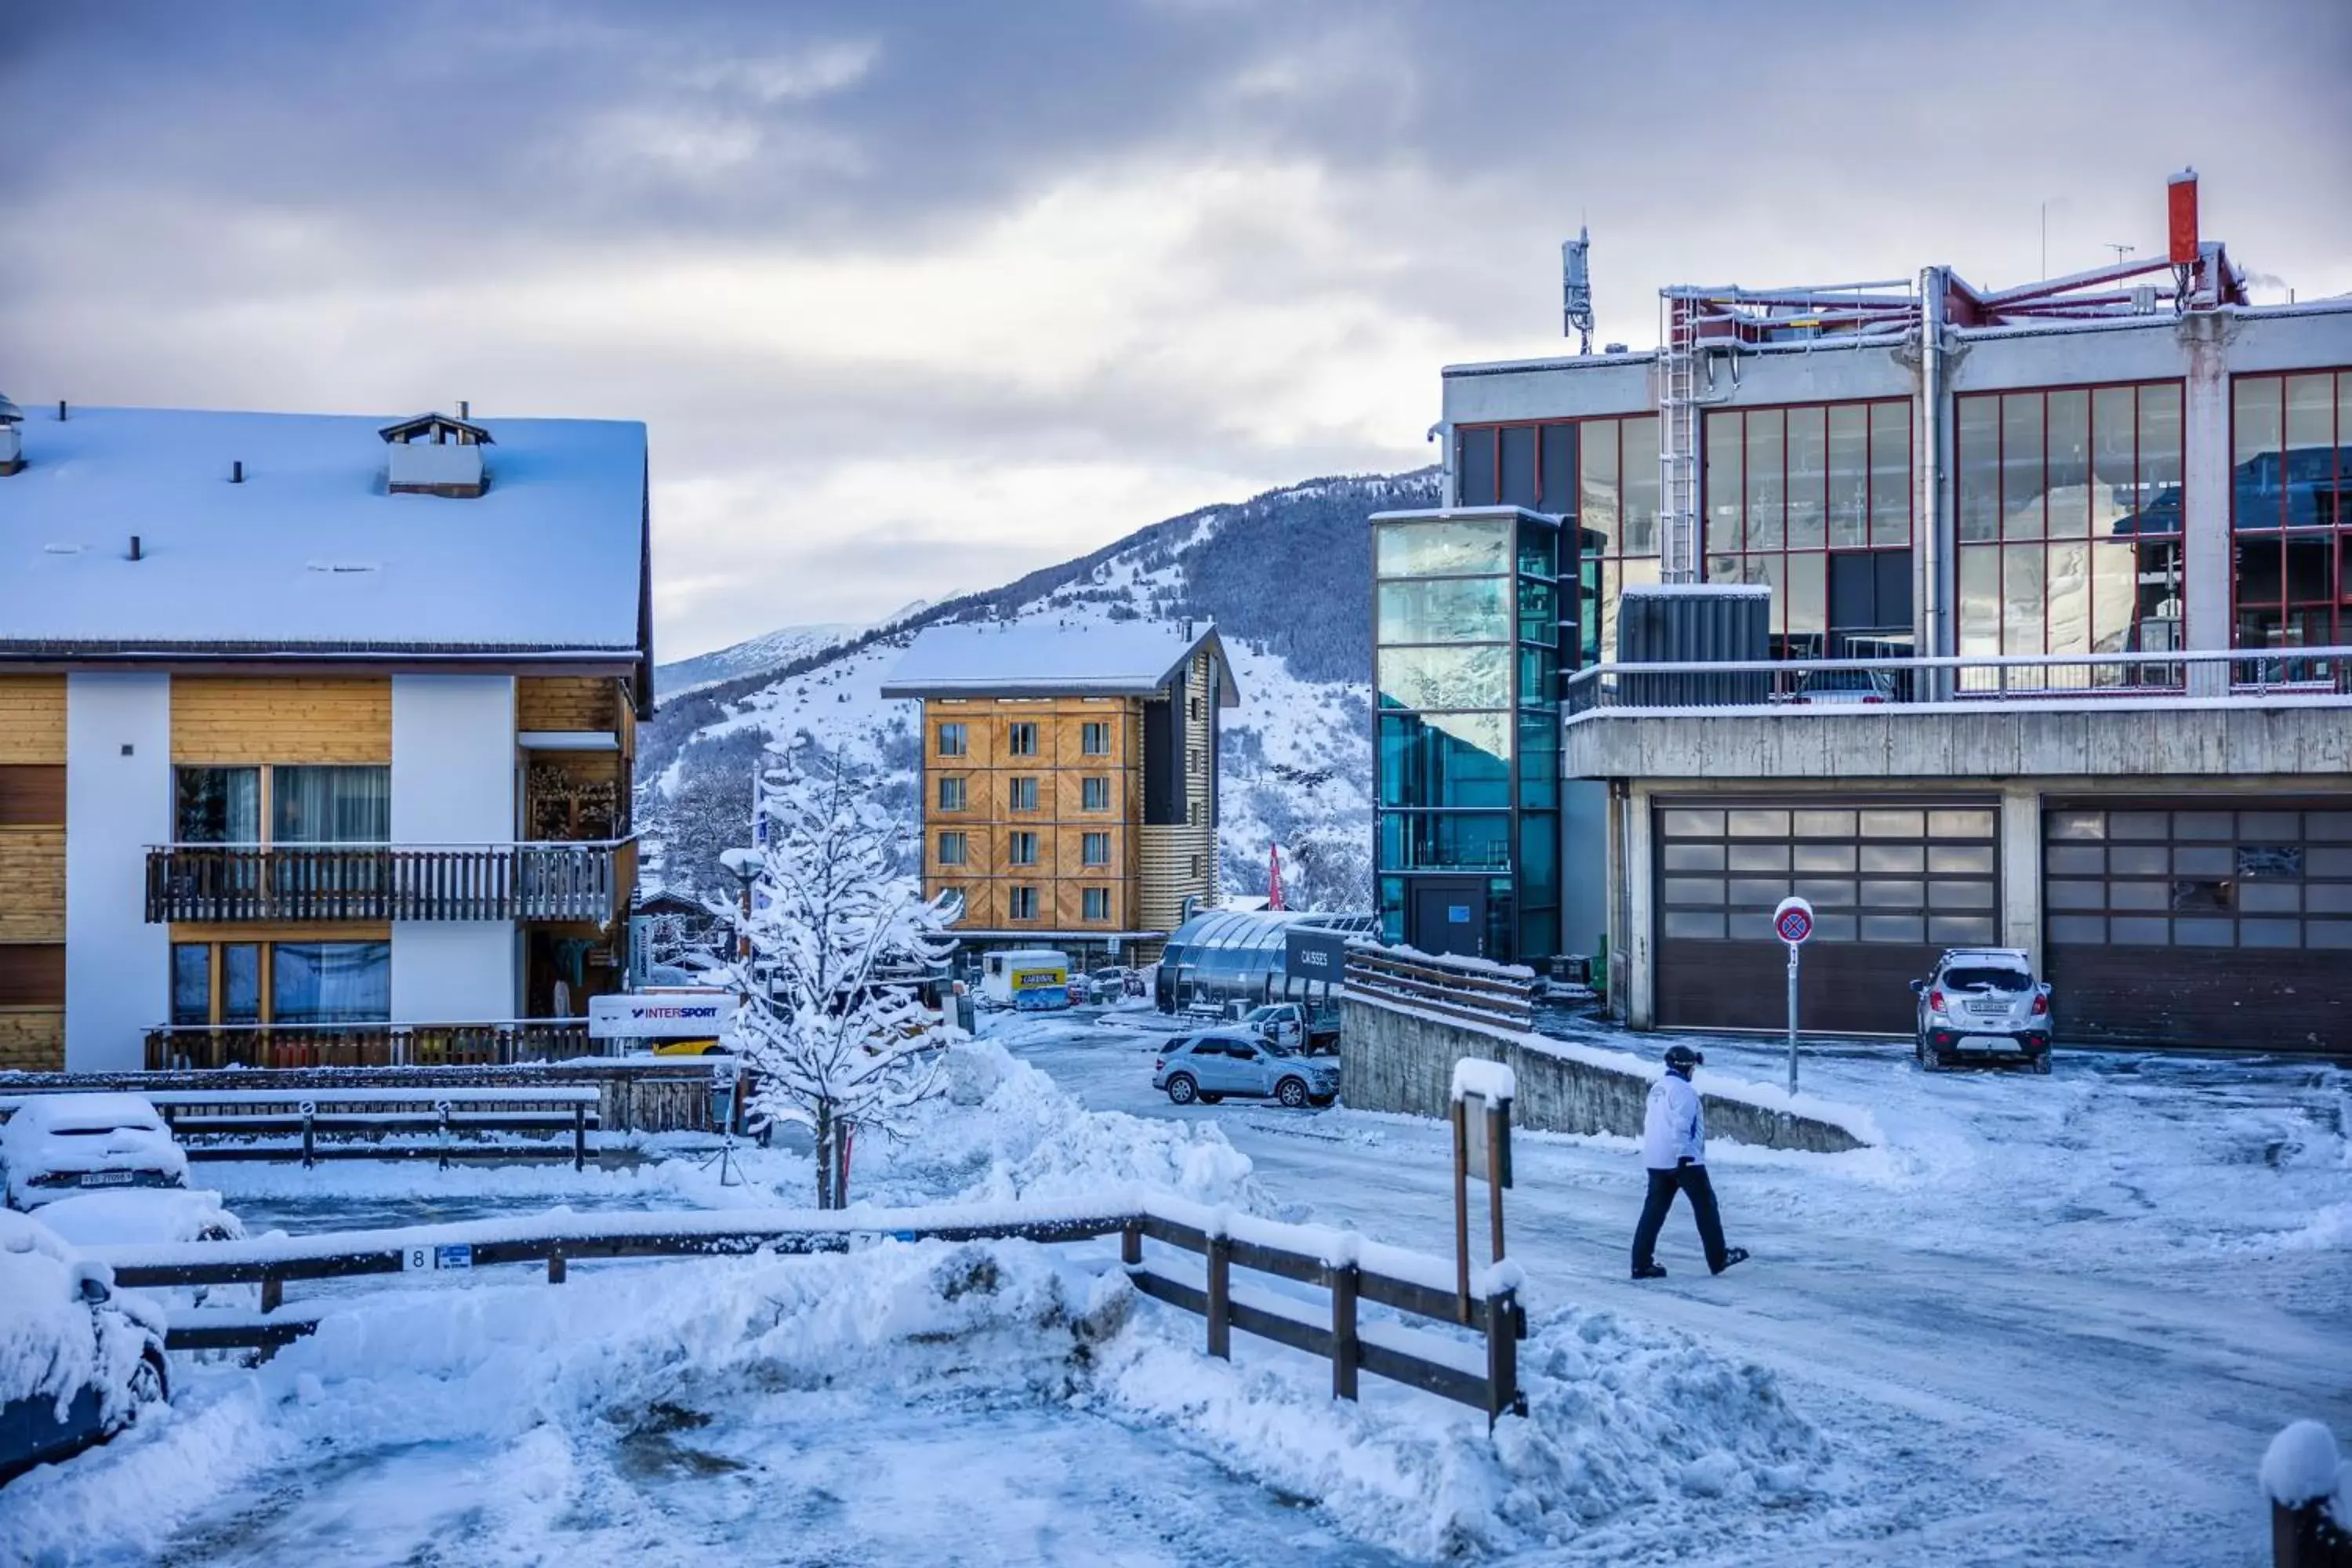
<point>1416,1358</point>
<point>1467,990</point>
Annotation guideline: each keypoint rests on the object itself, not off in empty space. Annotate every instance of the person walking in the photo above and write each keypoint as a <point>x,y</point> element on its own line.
<point>1674,1148</point>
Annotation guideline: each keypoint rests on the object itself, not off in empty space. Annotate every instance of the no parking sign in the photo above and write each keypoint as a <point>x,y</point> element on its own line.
<point>1792,922</point>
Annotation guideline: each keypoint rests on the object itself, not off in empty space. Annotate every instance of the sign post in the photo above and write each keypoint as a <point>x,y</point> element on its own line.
<point>1483,1092</point>
<point>1792,922</point>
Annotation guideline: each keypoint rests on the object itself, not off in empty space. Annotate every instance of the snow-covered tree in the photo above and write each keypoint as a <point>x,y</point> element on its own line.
<point>831,1022</point>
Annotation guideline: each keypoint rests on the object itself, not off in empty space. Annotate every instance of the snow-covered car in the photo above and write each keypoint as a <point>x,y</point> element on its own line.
<point>1983,1002</point>
<point>148,1217</point>
<point>79,1359</point>
<point>61,1143</point>
<point>1215,1063</point>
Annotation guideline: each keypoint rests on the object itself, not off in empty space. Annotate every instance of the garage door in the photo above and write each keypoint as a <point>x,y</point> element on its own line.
<point>1892,882</point>
<point>2212,922</point>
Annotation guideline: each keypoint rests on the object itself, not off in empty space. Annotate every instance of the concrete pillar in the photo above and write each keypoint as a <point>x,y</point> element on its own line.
<point>2020,868</point>
<point>2205,476</point>
<point>118,801</point>
<point>1641,914</point>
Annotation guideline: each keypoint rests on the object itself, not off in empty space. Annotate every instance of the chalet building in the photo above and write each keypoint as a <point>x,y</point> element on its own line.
<point>2039,601</point>
<point>315,735</point>
<point>1069,781</point>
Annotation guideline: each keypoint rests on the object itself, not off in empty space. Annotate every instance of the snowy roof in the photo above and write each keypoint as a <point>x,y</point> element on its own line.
<point>1037,658</point>
<point>310,553</point>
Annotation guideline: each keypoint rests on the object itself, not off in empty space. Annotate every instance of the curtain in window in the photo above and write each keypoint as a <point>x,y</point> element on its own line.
<point>331,805</point>
<point>219,806</point>
<point>331,982</point>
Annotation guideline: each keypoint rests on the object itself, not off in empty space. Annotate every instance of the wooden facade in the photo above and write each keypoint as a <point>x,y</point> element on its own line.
<point>240,719</point>
<point>998,820</point>
<point>1032,803</point>
<point>32,872</point>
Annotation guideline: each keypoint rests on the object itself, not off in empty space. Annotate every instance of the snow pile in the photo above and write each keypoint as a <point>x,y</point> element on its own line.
<point>1637,1441</point>
<point>1637,1438</point>
<point>1005,1130</point>
<point>2302,1465</point>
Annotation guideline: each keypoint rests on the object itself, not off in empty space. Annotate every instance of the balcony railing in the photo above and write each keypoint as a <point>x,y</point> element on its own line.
<point>545,881</point>
<point>1870,684</point>
<point>375,1044</point>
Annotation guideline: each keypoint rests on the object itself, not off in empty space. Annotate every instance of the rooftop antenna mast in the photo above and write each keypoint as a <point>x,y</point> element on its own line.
<point>1576,290</point>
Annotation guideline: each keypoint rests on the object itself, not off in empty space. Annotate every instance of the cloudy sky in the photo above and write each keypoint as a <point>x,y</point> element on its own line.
<point>916,297</point>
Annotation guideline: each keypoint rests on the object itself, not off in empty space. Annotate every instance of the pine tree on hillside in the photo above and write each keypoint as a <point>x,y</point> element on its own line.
<point>831,1024</point>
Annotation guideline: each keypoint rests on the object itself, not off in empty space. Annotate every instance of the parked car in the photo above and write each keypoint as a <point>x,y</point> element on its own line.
<point>1845,686</point>
<point>1983,1002</point>
<point>1114,982</point>
<point>61,1143</point>
<point>148,1217</point>
<point>85,1359</point>
<point>1214,1063</point>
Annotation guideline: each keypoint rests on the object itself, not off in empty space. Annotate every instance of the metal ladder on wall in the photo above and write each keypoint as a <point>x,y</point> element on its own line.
<point>1679,522</point>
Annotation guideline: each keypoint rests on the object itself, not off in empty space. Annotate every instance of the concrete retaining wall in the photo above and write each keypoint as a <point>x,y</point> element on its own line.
<point>1393,1059</point>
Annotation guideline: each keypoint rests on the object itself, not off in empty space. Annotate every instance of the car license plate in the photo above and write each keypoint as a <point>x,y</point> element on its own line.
<point>1987,1043</point>
<point>1990,1007</point>
<point>106,1178</point>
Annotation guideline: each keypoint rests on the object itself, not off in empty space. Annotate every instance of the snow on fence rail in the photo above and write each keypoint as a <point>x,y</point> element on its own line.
<point>1470,989</point>
<point>2310,1490</point>
<point>1353,1270</point>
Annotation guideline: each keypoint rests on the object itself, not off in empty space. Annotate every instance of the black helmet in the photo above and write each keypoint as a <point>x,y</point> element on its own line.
<point>1683,1059</point>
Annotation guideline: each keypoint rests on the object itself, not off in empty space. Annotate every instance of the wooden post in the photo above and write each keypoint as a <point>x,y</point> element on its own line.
<point>273,1292</point>
<point>443,1107</point>
<point>1498,1131</point>
<point>1131,1243</point>
<point>1502,1355</point>
<point>555,1268</point>
<point>1345,1352</point>
<point>2303,1536</point>
<point>1221,1280</point>
<point>580,1143</point>
<point>1461,1215</point>
<point>308,1149</point>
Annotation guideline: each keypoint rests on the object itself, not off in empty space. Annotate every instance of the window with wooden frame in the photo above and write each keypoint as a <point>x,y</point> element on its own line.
<point>1021,794</point>
<point>1021,904</point>
<point>1095,849</point>
<point>950,741</point>
<point>1020,849</point>
<point>951,792</point>
<point>1094,795</point>
<point>284,983</point>
<point>951,849</point>
<point>1095,904</point>
<point>1094,739</point>
<point>1021,739</point>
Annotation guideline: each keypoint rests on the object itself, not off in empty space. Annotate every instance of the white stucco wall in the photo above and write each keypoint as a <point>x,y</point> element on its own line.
<point>118,801</point>
<point>453,782</point>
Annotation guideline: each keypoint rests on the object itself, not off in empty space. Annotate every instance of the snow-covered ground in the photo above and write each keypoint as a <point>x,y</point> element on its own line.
<point>2051,1319</point>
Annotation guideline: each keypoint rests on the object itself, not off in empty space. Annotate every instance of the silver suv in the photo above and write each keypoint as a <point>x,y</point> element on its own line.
<point>1983,1002</point>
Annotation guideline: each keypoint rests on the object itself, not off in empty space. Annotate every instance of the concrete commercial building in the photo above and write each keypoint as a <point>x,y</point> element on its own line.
<point>315,741</point>
<point>2057,590</point>
<point>1069,778</point>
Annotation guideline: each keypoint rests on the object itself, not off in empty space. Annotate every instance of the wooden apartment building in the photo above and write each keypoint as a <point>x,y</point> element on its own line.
<point>315,748</point>
<point>1070,783</point>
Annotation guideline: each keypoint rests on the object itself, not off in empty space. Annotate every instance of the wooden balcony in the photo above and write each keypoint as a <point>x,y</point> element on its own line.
<point>587,882</point>
<point>499,1044</point>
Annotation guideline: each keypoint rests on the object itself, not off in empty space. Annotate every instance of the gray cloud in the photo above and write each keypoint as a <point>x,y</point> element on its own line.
<point>917,297</point>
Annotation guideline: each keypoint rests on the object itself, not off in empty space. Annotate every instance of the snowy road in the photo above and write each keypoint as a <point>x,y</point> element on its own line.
<point>2058,1318</point>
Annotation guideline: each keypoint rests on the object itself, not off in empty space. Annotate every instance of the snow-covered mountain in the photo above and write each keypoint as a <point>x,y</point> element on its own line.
<point>755,656</point>
<point>1285,575</point>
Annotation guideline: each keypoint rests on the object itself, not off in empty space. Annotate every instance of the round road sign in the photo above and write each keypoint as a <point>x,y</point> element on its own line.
<point>1792,922</point>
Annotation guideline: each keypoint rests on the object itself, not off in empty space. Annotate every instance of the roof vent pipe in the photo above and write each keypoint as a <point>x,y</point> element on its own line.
<point>134,547</point>
<point>236,472</point>
<point>465,409</point>
<point>61,410</point>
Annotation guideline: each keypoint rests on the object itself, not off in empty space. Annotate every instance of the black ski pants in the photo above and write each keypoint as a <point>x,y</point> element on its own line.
<point>1686,1178</point>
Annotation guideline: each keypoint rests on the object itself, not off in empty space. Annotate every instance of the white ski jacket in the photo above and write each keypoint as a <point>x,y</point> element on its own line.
<point>1675,1128</point>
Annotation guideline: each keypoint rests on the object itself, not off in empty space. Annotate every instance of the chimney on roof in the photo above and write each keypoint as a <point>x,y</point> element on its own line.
<point>435,455</point>
<point>465,409</point>
<point>61,410</point>
<point>134,547</point>
<point>11,446</point>
<point>236,472</point>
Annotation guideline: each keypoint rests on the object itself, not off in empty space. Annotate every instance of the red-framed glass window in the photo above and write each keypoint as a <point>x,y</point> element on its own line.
<point>1787,490</point>
<point>2067,501</point>
<point>2291,510</point>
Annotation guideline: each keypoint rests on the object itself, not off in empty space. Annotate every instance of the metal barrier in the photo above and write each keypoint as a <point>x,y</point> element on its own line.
<point>2159,677</point>
<point>1469,989</point>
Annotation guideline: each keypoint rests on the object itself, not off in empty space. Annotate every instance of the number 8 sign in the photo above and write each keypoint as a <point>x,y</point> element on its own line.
<point>1792,922</point>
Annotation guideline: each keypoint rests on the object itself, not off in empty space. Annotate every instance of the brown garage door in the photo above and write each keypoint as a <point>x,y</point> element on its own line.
<point>1892,882</point>
<point>2221,922</point>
